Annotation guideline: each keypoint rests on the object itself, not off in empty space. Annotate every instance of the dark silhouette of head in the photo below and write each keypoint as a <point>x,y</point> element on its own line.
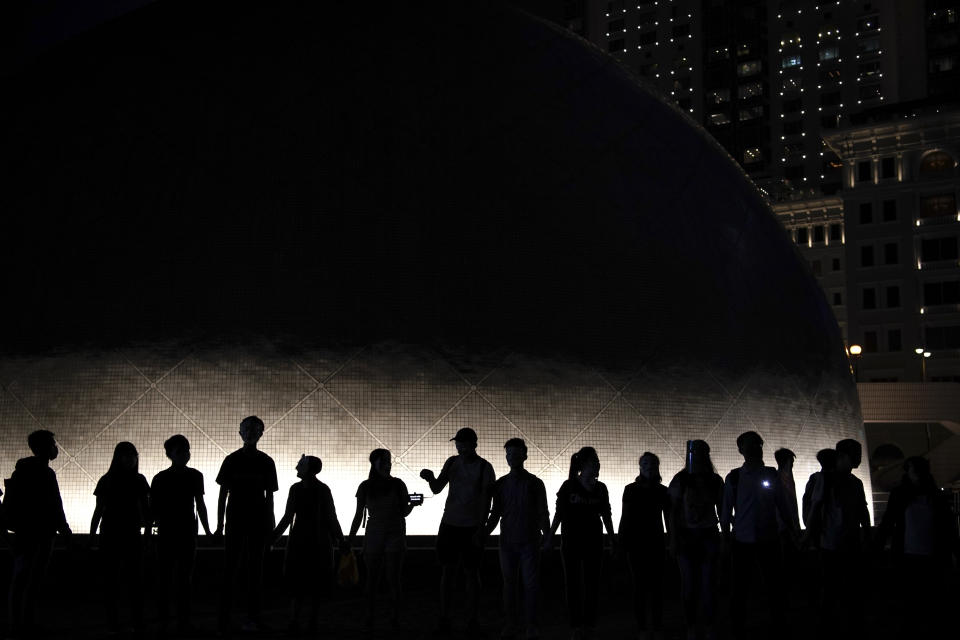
<point>516,452</point>
<point>380,464</point>
<point>827,459</point>
<point>784,458</point>
<point>586,462</point>
<point>916,473</point>
<point>849,453</point>
<point>308,466</point>
<point>650,466</point>
<point>466,441</point>
<point>43,444</point>
<point>177,449</point>
<point>251,430</point>
<point>698,457</point>
<point>125,459</point>
<point>750,446</point>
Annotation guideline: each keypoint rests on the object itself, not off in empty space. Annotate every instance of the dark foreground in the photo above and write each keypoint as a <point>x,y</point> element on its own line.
<point>75,608</point>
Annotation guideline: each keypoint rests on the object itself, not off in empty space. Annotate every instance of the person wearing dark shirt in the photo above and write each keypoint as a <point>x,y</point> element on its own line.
<point>583,508</point>
<point>646,508</point>
<point>844,529</point>
<point>120,514</point>
<point>176,499</point>
<point>696,496</point>
<point>314,527</point>
<point>520,506</point>
<point>387,504</point>
<point>248,480</point>
<point>34,510</point>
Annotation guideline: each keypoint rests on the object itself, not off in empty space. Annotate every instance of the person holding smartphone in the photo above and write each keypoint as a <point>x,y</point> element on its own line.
<point>387,505</point>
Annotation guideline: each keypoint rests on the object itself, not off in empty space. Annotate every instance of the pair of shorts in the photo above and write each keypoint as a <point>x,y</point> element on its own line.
<point>455,545</point>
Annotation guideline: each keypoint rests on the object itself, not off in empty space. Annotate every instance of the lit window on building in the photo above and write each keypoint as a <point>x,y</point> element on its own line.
<point>868,46</point>
<point>829,76</point>
<point>869,69</point>
<point>937,162</point>
<point>744,49</point>
<point>938,206</point>
<point>718,53</point>
<point>718,96</point>
<point>829,53</point>
<point>751,113</point>
<point>940,64</point>
<point>791,83</point>
<point>748,68</point>
<point>750,90</point>
<point>789,62</point>
<point>751,155</point>
<point>942,17</point>
<point>719,118</point>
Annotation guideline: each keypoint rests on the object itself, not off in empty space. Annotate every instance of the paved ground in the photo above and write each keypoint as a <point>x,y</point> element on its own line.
<point>75,609</point>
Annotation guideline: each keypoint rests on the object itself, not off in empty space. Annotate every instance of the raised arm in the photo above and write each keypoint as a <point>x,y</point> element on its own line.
<point>437,483</point>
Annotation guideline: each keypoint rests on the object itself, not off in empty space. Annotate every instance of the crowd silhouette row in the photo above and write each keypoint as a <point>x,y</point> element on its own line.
<point>752,514</point>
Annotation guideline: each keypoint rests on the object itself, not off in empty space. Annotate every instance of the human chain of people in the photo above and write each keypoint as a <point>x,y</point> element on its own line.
<point>751,516</point>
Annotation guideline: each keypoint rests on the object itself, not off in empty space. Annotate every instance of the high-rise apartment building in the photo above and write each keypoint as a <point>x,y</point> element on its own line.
<point>769,77</point>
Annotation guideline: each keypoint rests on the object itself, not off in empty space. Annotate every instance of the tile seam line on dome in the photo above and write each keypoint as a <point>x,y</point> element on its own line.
<point>733,402</point>
<point>363,426</point>
<point>471,388</point>
<point>70,456</point>
<point>153,386</point>
<point>586,426</point>
<point>318,384</point>
<point>526,437</point>
<point>650,424</point>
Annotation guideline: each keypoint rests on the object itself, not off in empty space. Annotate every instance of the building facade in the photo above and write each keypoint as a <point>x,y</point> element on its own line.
<point>902,226</point>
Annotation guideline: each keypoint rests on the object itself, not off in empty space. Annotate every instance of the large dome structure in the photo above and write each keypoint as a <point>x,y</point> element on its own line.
<point>373,228</point>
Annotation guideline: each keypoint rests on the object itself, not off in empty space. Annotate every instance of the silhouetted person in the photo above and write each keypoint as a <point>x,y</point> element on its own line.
<point>520,506</point>
<point>247,479</point>
<point>812,505</point>
<point>583,508</point>
<point>754,505</point>
<point>844,530</point>
<point>34,510</point>
<point>308,562</point>
<point>788,528</point>
<point>923,533</point>
<point>471,480</point>
<point>646,507</point>
<point>387,504</point>
<point>176,501</point>
<point>696,496</point>
<point>121,512</point>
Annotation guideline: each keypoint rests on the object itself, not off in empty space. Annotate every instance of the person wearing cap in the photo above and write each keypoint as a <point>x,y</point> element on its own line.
<point>471,480</point>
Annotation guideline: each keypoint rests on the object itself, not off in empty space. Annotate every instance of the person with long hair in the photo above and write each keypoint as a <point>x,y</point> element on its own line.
<point>923,534</point>
<point>308,562</point>
<point>646,508</point>
<point>696,497</point>
<point>387,504</point>
<point>121,512</point>
<point>583,508</point>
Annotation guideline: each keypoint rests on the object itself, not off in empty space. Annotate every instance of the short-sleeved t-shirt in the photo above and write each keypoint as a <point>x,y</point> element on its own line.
<point>121,496</point>
<point>173,494</point>
<point>248,476</point>
<point>521,499</point>
<point>580,511</point>
<point>468,497</point>
<point>644,507</point>
<point>696,497</point>
<point>386,502</point>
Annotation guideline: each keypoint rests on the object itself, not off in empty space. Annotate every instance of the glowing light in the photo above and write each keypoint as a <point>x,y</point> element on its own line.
<point>855,349</point>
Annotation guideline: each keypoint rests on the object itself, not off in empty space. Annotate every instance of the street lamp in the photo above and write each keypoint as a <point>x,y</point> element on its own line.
<point>854,351</point>
<point>923,354</point>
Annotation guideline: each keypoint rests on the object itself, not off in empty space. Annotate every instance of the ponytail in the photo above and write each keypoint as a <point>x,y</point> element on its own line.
<point>578,459</point>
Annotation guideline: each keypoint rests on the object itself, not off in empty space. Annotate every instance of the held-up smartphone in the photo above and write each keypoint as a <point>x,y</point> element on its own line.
<point>689,456</point>
<point>415,498</point>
